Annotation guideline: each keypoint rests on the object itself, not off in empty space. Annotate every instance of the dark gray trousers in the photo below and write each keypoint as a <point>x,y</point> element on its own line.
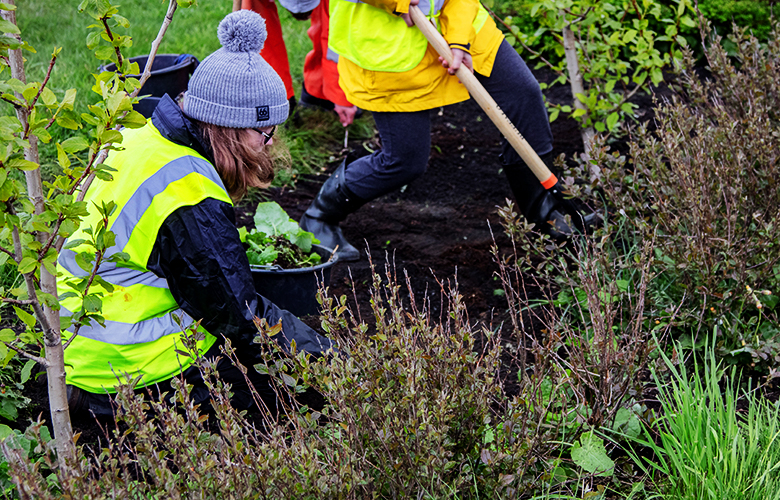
<point>406,136</point>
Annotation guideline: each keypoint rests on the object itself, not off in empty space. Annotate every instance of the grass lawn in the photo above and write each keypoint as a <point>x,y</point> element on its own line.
<point>46,24</point>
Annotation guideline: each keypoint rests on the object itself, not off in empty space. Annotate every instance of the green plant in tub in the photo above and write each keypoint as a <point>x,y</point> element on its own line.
<point>278,240</point>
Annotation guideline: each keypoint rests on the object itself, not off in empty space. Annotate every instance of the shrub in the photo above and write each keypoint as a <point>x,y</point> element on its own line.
<point>703,189</point>
<point>415,407</point>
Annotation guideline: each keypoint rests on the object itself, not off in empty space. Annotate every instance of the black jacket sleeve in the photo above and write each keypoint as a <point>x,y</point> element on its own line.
<point>199,253</point>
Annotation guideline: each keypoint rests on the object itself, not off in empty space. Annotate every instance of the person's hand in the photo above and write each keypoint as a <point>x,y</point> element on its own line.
<point>408,17</point>
<point>459,57</point>
<point>346,114</point>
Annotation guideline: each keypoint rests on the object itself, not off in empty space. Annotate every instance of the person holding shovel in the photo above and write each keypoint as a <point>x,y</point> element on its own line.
<point>174,184</point>
<point>386,66</point>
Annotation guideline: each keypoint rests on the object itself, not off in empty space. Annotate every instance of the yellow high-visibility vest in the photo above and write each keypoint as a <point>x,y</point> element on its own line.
<point>154,178</point>
<point>376,40</point>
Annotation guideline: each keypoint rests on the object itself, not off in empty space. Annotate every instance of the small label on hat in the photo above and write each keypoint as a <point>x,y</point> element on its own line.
<point>262,113</point>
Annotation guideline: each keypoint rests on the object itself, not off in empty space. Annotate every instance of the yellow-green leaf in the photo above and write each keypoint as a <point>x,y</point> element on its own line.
<point>28,264</point>
<point>22,164</point>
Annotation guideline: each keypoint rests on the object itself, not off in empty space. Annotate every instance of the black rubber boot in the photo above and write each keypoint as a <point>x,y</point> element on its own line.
<point>541,207</point>
<point>331,206</point>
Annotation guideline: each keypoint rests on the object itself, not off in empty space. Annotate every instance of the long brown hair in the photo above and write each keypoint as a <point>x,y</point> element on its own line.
<point>238,165</point>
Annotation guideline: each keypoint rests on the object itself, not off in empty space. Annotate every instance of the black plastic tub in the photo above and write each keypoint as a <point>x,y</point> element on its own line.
<point>170,75</point>
<point>295,289</point>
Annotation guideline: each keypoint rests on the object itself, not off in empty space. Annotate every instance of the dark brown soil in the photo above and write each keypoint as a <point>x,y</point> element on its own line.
<point>440,226</point>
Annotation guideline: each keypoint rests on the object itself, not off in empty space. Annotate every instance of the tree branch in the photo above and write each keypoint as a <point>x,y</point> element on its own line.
<point>43,85</point>
<point>27,355</point>
<point>119,58</point>
<point>17,302</point>
<point>172,5</point>
<point>9,252</point>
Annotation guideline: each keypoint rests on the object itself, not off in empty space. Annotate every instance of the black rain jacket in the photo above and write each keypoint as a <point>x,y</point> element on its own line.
<point>199,253</point>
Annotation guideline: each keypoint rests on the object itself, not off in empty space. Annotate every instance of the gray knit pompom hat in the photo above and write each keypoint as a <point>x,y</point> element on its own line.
<point>234,86</point>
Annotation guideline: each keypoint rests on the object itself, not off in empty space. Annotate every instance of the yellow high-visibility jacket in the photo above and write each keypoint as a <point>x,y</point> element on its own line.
<point>385,65</point>
<point>154,177</point>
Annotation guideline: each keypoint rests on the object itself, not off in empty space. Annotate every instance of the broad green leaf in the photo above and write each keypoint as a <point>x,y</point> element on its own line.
<point>22,164</point>
<point>62,157</point>
<point>134,119</point>
<point>270,218</point>
<point>69,99</point>
<point>8,27</point>
<point>627,423</point>
<point>92,303</point>
<point>109,136</point>
<point>26,370</point>
<point>27,265</point>
<point>67,122</point>
<point>612,120</point>
<point>7,335</point>
<point>590,454</point>
<point>48,97</point>
<point>75,144</point>
<point>26,317</point>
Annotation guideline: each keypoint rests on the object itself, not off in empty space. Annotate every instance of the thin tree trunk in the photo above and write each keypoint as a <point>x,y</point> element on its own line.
<point>55,362</point>
<point>577,86</point>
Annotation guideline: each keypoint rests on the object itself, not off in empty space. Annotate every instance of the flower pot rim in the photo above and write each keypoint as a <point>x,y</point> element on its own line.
<point>322,250</point>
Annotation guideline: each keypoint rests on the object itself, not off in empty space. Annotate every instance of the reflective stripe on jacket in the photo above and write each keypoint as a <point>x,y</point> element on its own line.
<point>154,177</point>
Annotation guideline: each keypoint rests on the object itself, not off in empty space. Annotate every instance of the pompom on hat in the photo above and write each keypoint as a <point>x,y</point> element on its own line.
<point>234,86</point>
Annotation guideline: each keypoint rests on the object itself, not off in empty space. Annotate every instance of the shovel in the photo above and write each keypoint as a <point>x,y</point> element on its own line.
<point>499,119</point>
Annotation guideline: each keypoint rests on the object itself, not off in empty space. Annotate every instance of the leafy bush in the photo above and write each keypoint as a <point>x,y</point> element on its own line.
<point>702,189</point>
<point>415,407</point>
<point>278,240</point>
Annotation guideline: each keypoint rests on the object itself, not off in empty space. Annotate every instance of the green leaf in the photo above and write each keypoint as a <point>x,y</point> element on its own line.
<point>271,219</point>
<point>8,27</point>
<point>590,454</point>
<point>134,119</point>
<point>111,136</point>
<point>26,370</point>
<point>26,317</point>
<point>27,265</point>
<point>612,120</point>
<point>92,303</point>
<point>67,122</point>
<point>48,97</point>
<point>627,423</point>
<point>630,35</point>
<point>22,164</point>
<point>7,335</point>
<point>75,144</point>
<point>62,157</point>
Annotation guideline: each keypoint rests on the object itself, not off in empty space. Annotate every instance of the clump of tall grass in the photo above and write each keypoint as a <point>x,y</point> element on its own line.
<point>710,442</point>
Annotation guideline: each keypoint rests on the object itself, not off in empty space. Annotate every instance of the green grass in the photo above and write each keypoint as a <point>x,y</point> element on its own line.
<point>706,447</point>
<point>47,24</point>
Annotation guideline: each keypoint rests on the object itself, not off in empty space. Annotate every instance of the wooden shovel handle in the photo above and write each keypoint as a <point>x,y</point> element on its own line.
<point>484,100</point>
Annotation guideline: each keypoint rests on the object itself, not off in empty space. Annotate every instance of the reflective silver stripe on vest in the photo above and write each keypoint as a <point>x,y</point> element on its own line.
<point>424,5</point>
<point>332,56</point>
<point>132,212</point>
<point>117,333</point>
